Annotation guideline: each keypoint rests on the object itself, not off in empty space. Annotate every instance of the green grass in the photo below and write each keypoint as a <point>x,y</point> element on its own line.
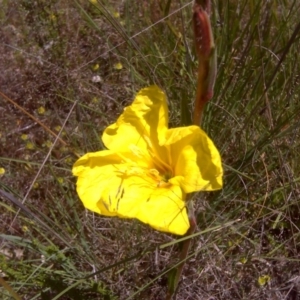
<point>51,248</point>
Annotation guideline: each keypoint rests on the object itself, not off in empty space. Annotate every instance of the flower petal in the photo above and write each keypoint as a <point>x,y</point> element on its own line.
<point>111,186</point>
<point>146,117</point>
<point>95,171</point>
<point>160,207</point>
<point>196,160</point>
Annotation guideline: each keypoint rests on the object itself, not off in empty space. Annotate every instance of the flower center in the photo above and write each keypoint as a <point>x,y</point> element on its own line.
<point>162,180</point>
<point>158,170</point>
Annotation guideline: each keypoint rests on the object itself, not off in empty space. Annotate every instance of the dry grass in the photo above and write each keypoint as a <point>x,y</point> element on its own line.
<point>51,53</point>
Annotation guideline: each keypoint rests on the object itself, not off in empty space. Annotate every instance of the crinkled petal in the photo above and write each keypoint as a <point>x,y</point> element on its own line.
<point>95,171</point>
<point>196,160</point>
<point>146,119</point>
<point>139,197</point>
<point>111,187</point>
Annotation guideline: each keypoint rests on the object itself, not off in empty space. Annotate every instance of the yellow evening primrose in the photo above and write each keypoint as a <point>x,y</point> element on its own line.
<point>148,169</point>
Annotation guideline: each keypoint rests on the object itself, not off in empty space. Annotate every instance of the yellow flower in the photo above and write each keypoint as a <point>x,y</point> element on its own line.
<point>60,180</point>
<point>29,145</point>
<point>24,137</point>
<point>47,144</point>
<point>148,169</point>
<point>263,280</point>
<point>41,110</point>
<point>118,66</point>
<point>95,67</point>
<point>25,228</point>
<point>57,128</point>
<point>52,17</point>
<point>116,14</point>
<point>2,171</point>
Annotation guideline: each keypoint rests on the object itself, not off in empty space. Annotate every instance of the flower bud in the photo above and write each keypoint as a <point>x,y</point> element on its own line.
<point>205,49</point>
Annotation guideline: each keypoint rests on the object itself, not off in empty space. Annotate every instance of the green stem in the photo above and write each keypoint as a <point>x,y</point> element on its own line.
<point>186,118</point>
<point>206,77</point>
<point>173,283</point>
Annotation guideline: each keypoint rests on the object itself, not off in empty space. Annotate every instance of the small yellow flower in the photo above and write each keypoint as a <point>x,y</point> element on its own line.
<point>263,280</point>
<point>41,110</point>
<point>57,128</point>
<point>149,169</point>
<point>118,66</point>
<point>25,229</point>
<point>2,171</point>
<point>243,260</point>
<point>36,185</point>
<point>68,160</point>
<point>60,180</point>
<point>93,1</point>
<point>116,14</point>
<point>95,100</point>
<point>29,145</point>
<point>47,144</point>
<point>52,17</point>
<point>95,67</point>
<point>24,137</point>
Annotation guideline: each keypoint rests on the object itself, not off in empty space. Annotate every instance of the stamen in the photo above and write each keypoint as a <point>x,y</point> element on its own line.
<point>157,161</point>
